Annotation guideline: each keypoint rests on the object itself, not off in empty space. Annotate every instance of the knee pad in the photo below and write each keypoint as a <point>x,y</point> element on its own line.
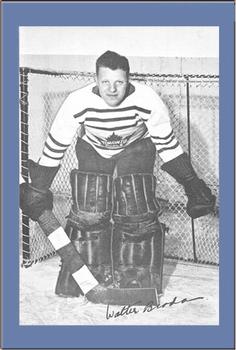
<point>92,199</point>
<point>135,194</point>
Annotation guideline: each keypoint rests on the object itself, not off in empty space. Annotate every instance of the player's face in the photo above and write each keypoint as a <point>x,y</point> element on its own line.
<point>112,85</point>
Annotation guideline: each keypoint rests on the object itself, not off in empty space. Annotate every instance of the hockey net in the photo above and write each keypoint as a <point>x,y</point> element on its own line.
<point>193,102</point>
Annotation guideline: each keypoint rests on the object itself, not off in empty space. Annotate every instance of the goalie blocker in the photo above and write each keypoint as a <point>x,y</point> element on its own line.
<point>200,199</point>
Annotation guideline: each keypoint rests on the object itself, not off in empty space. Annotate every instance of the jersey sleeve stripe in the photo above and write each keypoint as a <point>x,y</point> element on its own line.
<point>56,158</point>
<point>169,148</point>
<point>57,142</point>
<point>164,143</point>
<point>53,149</point>
<point>164,137</point>
<point>144,119</point>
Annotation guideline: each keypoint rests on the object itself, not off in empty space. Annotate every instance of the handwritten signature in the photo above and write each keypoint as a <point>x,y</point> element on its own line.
<point>149,307</point>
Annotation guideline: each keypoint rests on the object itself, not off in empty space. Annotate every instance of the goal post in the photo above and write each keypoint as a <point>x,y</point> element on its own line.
<point>193,103</point>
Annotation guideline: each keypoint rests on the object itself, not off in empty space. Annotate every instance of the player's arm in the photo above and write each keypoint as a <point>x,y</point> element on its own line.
<point>61,132</point>
<point>177,163</point>
<point>35,196</point>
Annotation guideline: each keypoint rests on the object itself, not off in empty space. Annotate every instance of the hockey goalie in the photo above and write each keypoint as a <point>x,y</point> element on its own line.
<point>113,244</point>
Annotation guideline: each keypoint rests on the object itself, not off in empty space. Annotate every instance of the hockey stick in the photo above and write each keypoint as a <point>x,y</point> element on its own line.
<point>82,275</point>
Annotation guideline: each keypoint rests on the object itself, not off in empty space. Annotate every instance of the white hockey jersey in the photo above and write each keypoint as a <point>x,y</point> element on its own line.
<point>110,129</point>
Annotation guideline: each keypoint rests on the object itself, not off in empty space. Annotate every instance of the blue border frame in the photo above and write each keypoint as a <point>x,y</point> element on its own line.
<point>115,14</point>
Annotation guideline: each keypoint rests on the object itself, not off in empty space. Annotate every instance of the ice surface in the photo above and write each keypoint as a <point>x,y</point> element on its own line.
<point>40,306</point>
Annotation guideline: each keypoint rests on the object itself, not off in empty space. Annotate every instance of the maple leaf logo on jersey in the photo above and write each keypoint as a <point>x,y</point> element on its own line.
<point>113,141</point>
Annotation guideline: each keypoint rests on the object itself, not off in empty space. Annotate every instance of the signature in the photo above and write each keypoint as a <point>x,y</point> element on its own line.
<point>131,308</point>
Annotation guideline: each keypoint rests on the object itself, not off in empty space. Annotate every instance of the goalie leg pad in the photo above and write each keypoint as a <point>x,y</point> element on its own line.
<point>89,228</point>
<point>138,237</point>
<point>137,251</point>
<point>90,216</point>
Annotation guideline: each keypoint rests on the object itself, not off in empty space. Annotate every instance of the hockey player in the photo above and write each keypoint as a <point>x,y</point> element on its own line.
<point>113,220</point>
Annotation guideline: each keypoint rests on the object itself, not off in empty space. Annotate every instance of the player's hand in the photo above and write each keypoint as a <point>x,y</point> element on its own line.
<point>201,201</point>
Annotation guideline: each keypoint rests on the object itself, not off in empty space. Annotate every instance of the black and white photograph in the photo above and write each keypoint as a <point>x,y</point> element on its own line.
<point>119,175</point>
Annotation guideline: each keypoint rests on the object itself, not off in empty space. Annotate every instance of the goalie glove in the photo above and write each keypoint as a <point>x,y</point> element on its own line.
<point>35,197</point>
<point>200,199</point>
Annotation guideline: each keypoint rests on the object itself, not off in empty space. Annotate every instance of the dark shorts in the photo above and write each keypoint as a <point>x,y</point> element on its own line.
<point>139,157</point>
